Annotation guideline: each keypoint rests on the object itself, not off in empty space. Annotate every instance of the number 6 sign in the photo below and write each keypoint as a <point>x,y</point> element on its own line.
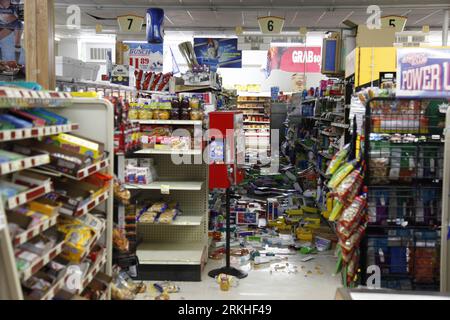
<point>271,25</point>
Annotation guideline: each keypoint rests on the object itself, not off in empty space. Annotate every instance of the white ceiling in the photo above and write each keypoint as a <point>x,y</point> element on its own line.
<point>227,14</point>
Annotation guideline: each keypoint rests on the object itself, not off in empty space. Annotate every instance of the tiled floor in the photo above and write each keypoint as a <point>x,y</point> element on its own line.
<point>314,280</point>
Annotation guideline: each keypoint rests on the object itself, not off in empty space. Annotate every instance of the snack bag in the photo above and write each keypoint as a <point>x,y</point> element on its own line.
<point>158,207</point>
<point>352,213</point>
<point>337,160</point>
<point>379,169</point>
<point>148,217</point>
<point>77,240</point>
<point>352,267</point>
<point>138,74</point>
<point>340,174</point>
<point>120,242</point>
<point>168,216</point>
<point>337,210</point>
<point>348,246</point>
<point>349,187</point>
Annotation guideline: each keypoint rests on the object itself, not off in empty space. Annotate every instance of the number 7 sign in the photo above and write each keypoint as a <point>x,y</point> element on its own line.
<point>130,23</point>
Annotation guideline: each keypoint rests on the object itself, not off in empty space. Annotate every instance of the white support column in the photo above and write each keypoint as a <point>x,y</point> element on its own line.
<point>445,28</point>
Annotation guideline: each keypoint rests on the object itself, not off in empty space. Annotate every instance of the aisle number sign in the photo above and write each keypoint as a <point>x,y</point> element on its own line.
<point>130,23</point>
<point>381,36</point>
<point>397,22</point>
<point>271,25</point>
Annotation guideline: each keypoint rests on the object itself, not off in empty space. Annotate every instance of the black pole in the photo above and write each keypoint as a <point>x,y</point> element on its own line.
<point>228,233</point>
<point>228,269</point>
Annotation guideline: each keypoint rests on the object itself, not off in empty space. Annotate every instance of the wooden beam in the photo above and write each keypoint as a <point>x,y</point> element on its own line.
<point>40,42</point>
<point>119,52</point>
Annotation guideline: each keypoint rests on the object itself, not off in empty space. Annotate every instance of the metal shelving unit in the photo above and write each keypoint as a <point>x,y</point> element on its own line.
<point>108,89</point>
<point>404,171</point>
<point>445,231</point>
<point>175,251</point>
<point>92,118</point>
<point>38,132</point>
<point>168,185</point>
<point>257,139</point>
<point>169,122</point>
<point>24,163</point>
<point>164,151</point>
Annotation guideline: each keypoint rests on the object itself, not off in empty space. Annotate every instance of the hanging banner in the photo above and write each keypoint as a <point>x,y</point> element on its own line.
<point>423,73</point>
<point>218,52</point>
<point>294,59</point>
<point>12,57</point>
<point>146,56</point>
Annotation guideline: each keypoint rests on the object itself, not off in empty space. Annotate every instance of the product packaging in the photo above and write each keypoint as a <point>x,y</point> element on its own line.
<point>340,174</point>
<point>335,163</point>
<point>60,159</point>
<point>80,145</point>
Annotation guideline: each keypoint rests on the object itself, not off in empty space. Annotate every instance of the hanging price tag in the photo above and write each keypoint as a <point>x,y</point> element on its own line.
<point>165,189</point>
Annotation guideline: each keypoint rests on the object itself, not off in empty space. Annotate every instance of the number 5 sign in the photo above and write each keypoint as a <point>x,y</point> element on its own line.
<point>130,23</point>
<point>271,25</point>
<point>397,22</point>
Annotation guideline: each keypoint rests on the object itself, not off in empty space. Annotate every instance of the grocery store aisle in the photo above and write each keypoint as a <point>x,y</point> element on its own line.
<point>313,280</point>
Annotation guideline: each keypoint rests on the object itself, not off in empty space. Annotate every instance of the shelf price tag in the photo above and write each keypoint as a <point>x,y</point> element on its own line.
<point>130,23</point>
<point>165,189</point>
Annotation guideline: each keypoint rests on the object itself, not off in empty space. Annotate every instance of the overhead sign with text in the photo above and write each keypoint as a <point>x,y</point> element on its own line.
<point>295,59</point>
<point>271,25</point>
<point>423,73</point>
<point>218,52</point>
<point>130,23</point>
<point>146,56</point>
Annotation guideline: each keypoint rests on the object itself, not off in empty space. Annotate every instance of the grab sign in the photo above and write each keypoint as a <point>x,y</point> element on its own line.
<point>295,59</point>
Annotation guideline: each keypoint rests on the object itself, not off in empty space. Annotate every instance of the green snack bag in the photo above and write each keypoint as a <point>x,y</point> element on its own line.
<point>337,210</point>
<point>341,174</point>
<point>336,162</point>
